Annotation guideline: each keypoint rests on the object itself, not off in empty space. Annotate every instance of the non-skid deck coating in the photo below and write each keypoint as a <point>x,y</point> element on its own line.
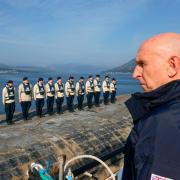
<point>100,131</point>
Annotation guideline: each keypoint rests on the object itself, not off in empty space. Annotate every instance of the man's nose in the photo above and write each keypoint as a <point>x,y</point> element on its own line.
<point>137,72</point>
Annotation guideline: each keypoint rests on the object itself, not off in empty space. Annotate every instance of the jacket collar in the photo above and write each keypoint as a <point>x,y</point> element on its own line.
<point>140,104</point>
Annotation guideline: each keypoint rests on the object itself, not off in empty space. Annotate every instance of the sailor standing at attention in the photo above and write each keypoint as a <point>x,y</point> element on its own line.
<point>97,90</point>
<point>39,96</point>
<point>106,89</point>
<point>25,97</point>
<point>8,99</point>
<point>50,94</point>
<point>80,91</point>
<point>59,88</point>
<point>70,92</point>
<point>90,91</point>
<point>113,89</point>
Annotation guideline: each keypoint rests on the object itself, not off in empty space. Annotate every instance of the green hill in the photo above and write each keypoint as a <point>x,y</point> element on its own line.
<point>4,69</point>
<point>125,68</point>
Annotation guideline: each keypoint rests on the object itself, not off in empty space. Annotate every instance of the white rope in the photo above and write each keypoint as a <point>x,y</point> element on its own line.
<point>91,157</point>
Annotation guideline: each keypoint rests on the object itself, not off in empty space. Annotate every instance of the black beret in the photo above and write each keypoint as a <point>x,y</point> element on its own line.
<point>71,77</point>
<point>90,76</point>
<point>58,78</point>
<point>97,75</point>
<point>40,79</point>
<point>9,82</point>
<point>81,77</point>
<point>50,78</point>
<point>113,79</point>
<point>25,78</point>
<point>107,76</point>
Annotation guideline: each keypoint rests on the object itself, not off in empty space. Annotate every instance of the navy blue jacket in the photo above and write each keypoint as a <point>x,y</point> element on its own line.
<point>153,146</point>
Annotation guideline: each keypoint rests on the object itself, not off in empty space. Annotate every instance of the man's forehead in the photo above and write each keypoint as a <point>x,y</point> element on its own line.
<point>145,54</point>
<point>150,57</point>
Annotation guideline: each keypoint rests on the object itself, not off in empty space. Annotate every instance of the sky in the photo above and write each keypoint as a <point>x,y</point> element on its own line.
<point>100,32</point>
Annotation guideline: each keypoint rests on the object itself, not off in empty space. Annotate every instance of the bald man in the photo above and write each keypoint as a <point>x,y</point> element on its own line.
<point>153,146</point>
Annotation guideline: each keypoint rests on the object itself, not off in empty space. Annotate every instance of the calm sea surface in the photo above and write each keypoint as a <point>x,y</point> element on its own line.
<point>125,83</point>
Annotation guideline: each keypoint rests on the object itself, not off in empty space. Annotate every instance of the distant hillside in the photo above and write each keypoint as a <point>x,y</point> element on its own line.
<point>125,68</point>
<point>29,69</point>
<point>71,68</point>
<point>4,66</point>
<point>4,69</point>
<point>74,68</point>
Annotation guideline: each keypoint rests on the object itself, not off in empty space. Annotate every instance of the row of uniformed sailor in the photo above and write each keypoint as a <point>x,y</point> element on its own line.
<point>52,91</point>
<point>93,88</point>
<point>25,99</point>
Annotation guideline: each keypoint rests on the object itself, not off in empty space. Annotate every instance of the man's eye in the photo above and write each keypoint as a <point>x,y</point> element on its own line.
<point>141,64</point>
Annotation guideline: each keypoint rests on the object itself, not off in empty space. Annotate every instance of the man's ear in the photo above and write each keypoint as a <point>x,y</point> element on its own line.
<point>174,66</point>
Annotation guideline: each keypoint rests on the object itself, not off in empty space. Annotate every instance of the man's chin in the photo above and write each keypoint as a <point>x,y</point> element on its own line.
<point>145,88</point>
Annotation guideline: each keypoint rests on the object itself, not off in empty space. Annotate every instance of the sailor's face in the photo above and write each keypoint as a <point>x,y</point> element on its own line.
<point>26,81</point>
<point>60,81</point>
<point>98,78</point>
<point>51,81</point>
<point>40,82</point>
<point>10,84</point>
